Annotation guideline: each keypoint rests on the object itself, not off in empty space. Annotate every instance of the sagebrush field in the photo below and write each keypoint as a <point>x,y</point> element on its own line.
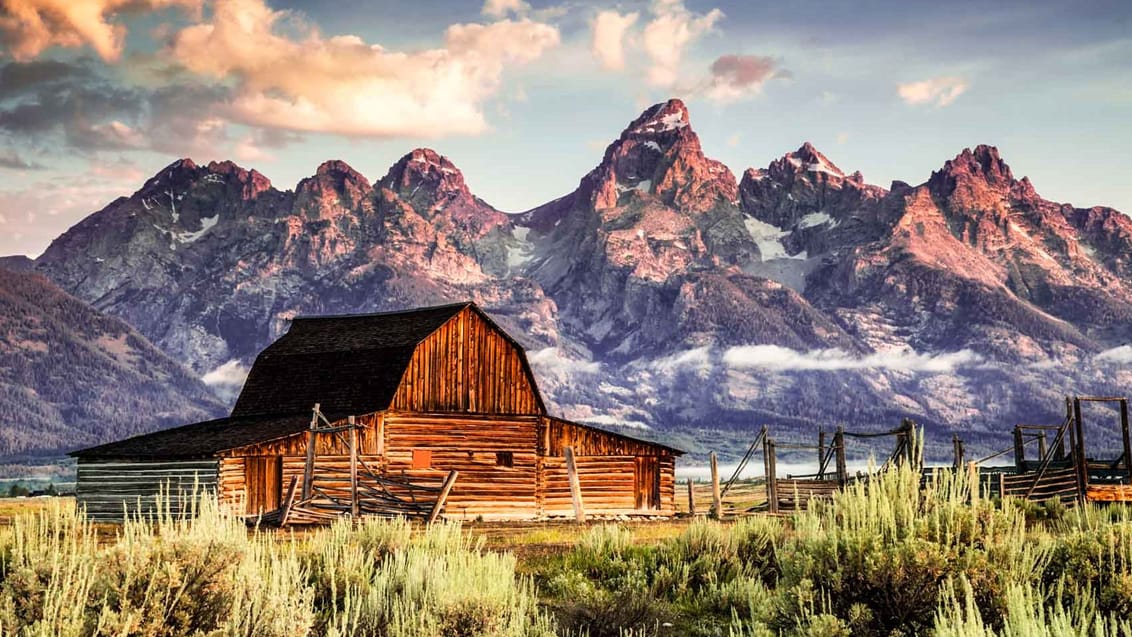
<point>886,558</point>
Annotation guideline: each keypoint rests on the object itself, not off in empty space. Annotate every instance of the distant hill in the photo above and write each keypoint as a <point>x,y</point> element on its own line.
<point>71,376</point>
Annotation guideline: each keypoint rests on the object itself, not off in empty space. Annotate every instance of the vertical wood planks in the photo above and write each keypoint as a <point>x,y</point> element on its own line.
<point>716,499</point>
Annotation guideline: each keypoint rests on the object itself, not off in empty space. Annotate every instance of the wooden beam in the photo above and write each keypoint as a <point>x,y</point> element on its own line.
<point>839,441</point>
<point>353,468</point>
<point>443,497</point>
<point>973,480</point>
<point>1124,434</point>
<point>575,485</point>
<point>1082,461</point>
<point>771,478</point>
<point>288,501</point>
<point>691,498</point>
<point>716,499</point>
<point>308,470</point>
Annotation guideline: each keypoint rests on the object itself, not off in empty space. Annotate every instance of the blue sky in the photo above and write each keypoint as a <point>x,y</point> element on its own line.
<point>523,97</point>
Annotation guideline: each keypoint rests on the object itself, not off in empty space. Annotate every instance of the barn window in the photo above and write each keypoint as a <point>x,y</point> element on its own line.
<point>422,458</point>
<point>504,459</point>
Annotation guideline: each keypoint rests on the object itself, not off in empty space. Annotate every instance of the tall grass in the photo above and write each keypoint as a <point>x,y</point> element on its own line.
<point>890,556</point>
<point>208,575</point>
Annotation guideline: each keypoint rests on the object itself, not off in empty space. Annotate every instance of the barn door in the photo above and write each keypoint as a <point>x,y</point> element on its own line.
<point>263,479</point>
<point>648,482</point>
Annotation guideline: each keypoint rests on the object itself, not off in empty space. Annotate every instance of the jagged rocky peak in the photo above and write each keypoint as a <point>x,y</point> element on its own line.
<point>807,162</point>
<point>660,154</point>
<point>980,167</point>
<point>424,169</point>
<point>335,188</point>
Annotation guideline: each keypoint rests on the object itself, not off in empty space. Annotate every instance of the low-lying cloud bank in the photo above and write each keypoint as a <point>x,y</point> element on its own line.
<point>773,357</point>
<point>1120,355</point>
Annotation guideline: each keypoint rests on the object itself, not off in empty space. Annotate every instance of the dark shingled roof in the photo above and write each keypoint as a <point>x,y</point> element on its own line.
<point>202,439</point>
<point>349,364</point>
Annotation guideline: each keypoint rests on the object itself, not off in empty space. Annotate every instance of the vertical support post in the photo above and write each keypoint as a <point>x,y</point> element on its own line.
<point>575,485</point>
<point>973,480</point>
<point>839,440</point>
<point>1001,487</point>
<point>353,468</point>
<point>772,478</point>
<point>1124,434</point>
<point>1019,450</point>
<point>1082,460</point>
<point>691,498</point>
<point>821,454</point>
<point>1042,445</point>
<point>716,499</point>
<point>955,451</point>
<point>308,468</point>
<point>443,497</point>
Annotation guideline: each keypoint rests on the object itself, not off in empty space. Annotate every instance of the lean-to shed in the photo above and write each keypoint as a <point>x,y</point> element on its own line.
<point>430,391</point>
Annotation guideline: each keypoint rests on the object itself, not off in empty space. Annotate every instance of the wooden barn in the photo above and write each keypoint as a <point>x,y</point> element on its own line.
<point>413,408</point>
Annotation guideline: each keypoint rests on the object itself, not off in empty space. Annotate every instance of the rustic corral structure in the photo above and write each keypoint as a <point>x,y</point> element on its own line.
<point>384,414</point>
<point>1063,468</point>
<point>792,492</point>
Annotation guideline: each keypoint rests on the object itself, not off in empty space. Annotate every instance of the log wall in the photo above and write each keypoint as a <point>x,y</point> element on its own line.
<point>108,489</point>
<point>471,445</point>
<point>467,366</point>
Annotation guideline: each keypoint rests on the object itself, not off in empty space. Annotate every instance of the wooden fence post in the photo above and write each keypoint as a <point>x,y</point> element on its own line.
<point>772,478</point>
<point>839,441</point>
<point>443,497</point>
<point>575,485</point>
<point>973,480</point>
<point>354,508</point>
<point>1082,460</point>
<point>308,468</point>
<point>1124,434</point>
<point>716,499</point>
<point>1019,450</point>
<point>691,498</point>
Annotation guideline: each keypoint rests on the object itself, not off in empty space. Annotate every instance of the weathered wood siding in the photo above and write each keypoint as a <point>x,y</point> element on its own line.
<point>467,366</point>
<point>558,434</point>
<point>471,445</point>
<point>109,488</point>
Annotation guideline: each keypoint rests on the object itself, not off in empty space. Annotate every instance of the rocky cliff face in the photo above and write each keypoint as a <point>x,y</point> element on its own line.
<point>648,253</point>
<point>661,292</point>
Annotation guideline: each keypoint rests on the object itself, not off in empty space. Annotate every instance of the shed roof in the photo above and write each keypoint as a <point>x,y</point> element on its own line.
<point>202,439</point>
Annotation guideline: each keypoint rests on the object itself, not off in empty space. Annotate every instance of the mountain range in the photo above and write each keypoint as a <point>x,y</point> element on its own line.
<point>663,293</point>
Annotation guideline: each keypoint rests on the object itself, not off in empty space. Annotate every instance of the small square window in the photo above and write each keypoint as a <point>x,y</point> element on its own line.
<point>504,459</point>
<point>422,458</point>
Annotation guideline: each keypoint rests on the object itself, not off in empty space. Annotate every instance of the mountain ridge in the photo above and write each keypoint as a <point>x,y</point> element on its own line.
<point>655,268</point>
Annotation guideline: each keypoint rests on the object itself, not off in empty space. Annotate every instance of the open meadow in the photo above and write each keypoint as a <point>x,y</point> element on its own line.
<point>882,558</point>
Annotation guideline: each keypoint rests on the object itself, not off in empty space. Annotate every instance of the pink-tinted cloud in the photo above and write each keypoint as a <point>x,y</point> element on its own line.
<point>938,90</point>
<point>736,76</point>
<point>296,79</point>
<point>28,27</point>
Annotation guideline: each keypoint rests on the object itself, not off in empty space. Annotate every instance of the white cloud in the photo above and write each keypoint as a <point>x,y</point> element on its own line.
<point>552,365</point>
<point>28,27</point>
<point>665,37</point>
<point>939,90</point>
<point>609,29</point>
<point>230,374</point>
<point>1120,355</point>
<point>777,358</point>
<point>500,8</point>
<point>696,360</point>
<point>288,76</point>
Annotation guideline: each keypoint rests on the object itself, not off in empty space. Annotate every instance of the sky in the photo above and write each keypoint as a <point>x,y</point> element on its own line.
<point>523,95</point>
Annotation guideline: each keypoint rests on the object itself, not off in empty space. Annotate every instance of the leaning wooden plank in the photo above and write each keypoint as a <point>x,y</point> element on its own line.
<point>575,485</point>
<point>448,482</point>
<point>288,501</point>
